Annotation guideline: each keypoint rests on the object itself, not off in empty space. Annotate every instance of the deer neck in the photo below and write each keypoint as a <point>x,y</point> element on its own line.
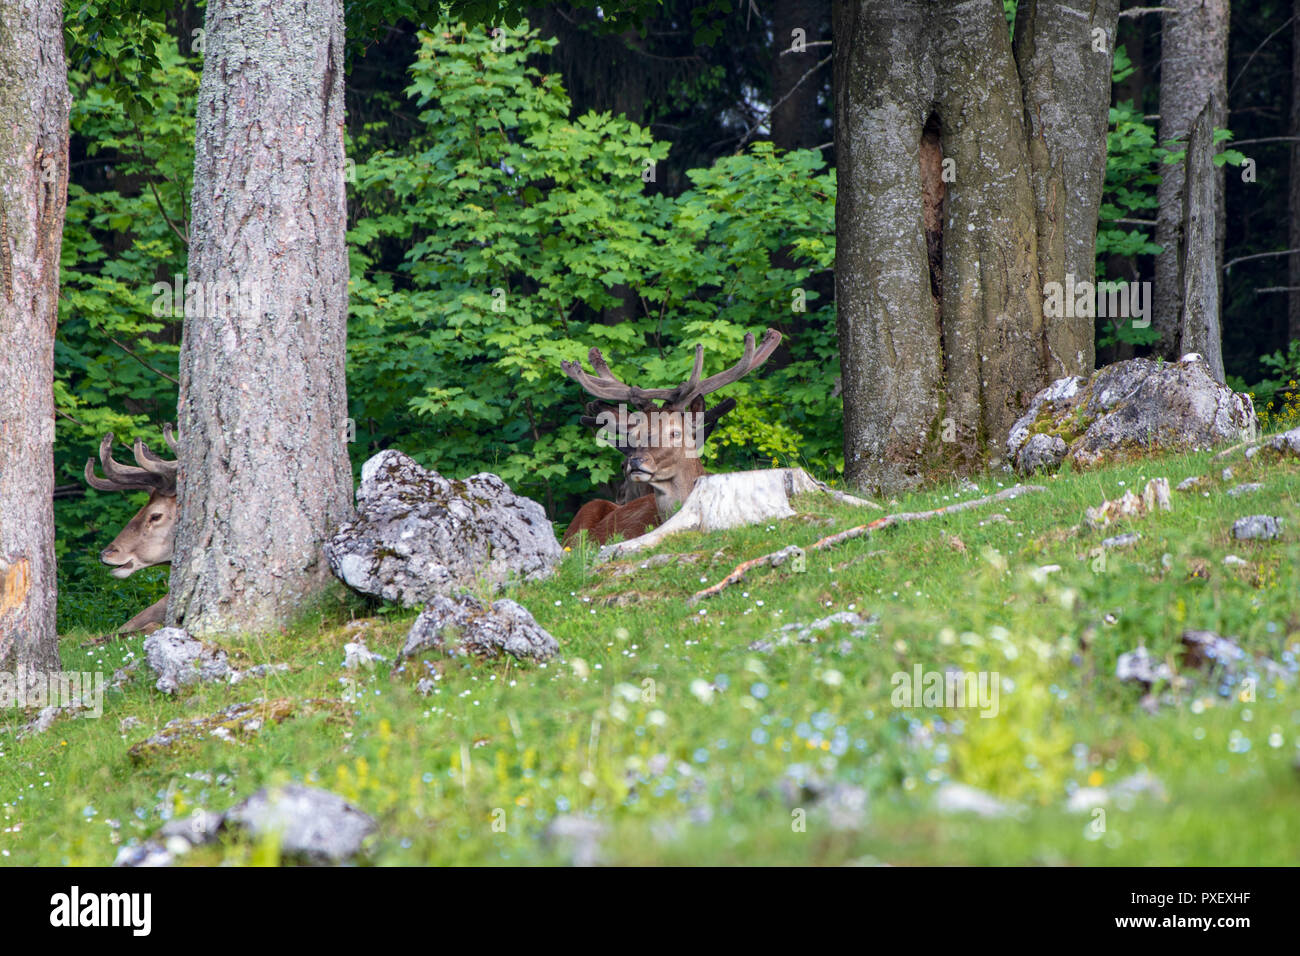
<point>672,493</point>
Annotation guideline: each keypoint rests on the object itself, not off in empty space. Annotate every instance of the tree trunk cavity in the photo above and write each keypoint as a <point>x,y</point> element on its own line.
<point>34,104</point>
<point>942,336</point>
<point>1193,72</point>
<point>264,475</point>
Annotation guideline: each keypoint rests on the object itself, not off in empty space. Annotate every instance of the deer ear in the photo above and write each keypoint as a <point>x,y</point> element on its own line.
<point>697,405</point>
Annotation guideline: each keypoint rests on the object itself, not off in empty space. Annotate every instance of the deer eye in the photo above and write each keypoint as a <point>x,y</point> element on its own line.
<point>156,516</point>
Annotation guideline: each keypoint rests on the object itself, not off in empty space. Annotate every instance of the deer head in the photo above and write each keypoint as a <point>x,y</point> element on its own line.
<point>661,430</point>
<point>147,538</point>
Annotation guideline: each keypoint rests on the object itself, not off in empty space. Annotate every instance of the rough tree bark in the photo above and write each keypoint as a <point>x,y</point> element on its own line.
<point>1293,269</point>
<point>1066,86</point>
<point>1193,70</point>
<point>34,105</point>
<point>264,472</point>
<point>949,220</point>
<point>1198,264</point>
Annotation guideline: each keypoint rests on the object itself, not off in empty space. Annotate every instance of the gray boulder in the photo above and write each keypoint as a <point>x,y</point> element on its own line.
<point>316,825</point>
<point>1129,407</point>
<point>180,660</point>
<point>465,625</point>
<point>418,534</point>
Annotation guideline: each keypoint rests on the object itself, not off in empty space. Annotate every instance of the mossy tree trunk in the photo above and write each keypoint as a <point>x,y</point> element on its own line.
<point>34,105</point>
<point>264,477</point>
<point>970,174</point>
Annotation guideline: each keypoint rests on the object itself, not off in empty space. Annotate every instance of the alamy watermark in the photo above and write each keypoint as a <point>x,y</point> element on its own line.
<point>26,689</point>
<point>1103,300</point>
<point>951,688</point>
<point>658,428</point>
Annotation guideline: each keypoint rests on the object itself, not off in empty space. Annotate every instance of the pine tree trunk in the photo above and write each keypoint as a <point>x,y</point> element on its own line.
<point>34,105</point>
<point>948,221</point>
<point>1193,69</point>
<point>264,472</point>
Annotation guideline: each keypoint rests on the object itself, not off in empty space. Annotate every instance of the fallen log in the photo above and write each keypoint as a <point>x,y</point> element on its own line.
<point>778,558</point>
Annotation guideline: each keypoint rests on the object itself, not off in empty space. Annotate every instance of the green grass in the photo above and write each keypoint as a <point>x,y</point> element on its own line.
<point>660,722</point>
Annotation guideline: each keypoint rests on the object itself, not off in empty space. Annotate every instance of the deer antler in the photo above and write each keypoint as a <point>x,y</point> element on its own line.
<point>605,385</point>
<point>153,473</point>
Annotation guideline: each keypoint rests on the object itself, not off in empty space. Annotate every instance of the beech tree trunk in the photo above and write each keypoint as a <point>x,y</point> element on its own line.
<point>1193,71</point>
<point>264,475</point>
<point>1293,269</point>
<point>34,106</point>
<point>1198,265</point>
<point>949,220</point>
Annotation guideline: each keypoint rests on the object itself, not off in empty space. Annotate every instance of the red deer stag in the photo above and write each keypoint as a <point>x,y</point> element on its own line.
<point>147,538</point>
<point>661,444</point>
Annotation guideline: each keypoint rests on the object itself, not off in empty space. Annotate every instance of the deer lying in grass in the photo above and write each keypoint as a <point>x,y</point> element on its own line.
<point>146,540</point>
<point>661,442</point>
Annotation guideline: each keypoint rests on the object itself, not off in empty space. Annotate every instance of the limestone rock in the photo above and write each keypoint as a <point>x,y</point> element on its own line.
<point>180,660</point>
<point>465,625</point>
<point>418,534</point>
<point>1133,405</point>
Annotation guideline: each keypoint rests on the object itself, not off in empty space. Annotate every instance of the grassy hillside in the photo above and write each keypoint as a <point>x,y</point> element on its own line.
<point>689,742</point>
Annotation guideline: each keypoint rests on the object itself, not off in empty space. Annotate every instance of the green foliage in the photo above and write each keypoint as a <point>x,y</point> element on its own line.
<point>499,190</point>
<point>1132,165</point>
<point>1277,396</point>
<point>505,238</point>
<point>115,361</point>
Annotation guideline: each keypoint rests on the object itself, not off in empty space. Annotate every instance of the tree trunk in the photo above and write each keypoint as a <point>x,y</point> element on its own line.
<point>1198,265</point>
<point>264,473</point>
<point>1193,69</point>
<point>1293,271</point>
<point>1066,86</point>
<point>938,219</point>
<point>797,122</point>
<point>34,106</point>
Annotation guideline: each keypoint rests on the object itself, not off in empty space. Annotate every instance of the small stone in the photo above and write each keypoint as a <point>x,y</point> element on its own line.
<point>357,655</point>
<point>180,660</point>
<point>1140,666</point>
<point>579,836</point>
<point>961,798</point>
<point>1257,528</point>
<point>1245,489</point>
<point>465,625</point>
